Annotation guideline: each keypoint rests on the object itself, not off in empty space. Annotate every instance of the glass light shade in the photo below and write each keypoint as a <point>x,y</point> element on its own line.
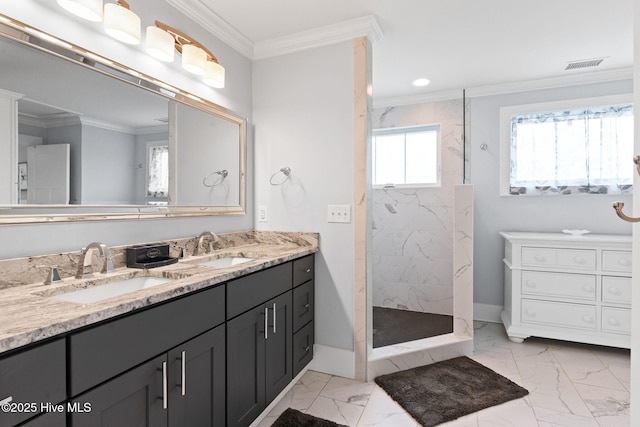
<point>214,74</point>
<point>193,59</point>
<point>121,24</point>
<point>160,44</point>
<point>91,10</point>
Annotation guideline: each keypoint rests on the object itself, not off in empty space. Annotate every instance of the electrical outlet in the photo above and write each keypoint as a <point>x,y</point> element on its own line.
<point>339,213</point>
<point>262,213</point>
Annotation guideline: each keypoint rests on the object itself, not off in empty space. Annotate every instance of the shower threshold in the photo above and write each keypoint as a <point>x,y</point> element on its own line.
<point>394,326</point>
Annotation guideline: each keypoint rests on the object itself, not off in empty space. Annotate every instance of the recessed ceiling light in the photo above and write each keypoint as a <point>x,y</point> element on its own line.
<point>421,82</point>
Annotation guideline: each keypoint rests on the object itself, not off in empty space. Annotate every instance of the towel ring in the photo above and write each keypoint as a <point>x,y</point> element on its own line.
<point>286,171</point>
<point>223,174</point>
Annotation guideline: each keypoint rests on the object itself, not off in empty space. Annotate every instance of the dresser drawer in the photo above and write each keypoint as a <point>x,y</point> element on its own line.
<point>616,261</point>
<point>616,320</point>
<point>563,285</point>
<point>582,259</point>
<point>616,289</point>
<point>559,314</point>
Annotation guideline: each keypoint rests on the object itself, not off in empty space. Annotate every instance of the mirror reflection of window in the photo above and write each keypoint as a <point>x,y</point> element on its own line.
<point>158,172</point>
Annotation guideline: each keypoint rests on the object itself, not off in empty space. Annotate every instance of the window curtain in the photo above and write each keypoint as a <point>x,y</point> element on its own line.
<point>582,151</point>
<point>158,171</point>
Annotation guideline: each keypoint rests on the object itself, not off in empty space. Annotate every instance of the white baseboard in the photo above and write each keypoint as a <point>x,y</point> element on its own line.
<point>487,312</point>
<point>334,361</point>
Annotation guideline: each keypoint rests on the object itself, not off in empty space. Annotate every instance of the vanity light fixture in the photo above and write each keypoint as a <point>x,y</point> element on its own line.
<point>159,44</point>
<point>121,23</point>
<point>196,58</point>
<point>91,10</point>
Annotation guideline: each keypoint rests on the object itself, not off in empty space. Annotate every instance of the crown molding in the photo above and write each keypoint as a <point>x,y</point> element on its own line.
<point>366,26</point>
<point>511,87</point>
<point>322,36</point>
<point>212,22</point>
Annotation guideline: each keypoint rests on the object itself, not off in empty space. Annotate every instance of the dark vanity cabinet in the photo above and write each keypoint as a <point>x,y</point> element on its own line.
<point>215,357</point>
<point>184,384</point>
<point>303,309</point>
<point>30,380</point>
<point>259,343</point>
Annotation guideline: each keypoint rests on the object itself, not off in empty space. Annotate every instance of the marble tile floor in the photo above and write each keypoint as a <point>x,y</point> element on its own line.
<point>569,385</point>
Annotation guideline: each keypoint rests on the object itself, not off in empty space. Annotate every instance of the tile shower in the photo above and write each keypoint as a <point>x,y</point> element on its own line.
<point>413,228</point>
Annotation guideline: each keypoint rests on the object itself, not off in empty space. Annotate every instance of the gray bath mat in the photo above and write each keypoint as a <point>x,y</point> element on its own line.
<point>295,418</point>
<point>447,390</point>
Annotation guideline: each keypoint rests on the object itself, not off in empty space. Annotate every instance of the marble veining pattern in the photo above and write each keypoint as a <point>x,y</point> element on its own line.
<point>571,385</point>
<point>413,228</point>
<point>29,315</point>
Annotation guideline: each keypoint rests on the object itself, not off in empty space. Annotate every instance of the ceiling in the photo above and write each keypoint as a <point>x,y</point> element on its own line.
<point>454,43</point>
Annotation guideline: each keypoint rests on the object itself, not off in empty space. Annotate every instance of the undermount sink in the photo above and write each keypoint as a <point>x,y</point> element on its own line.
<point>111,289</point>
<point>227,261</point>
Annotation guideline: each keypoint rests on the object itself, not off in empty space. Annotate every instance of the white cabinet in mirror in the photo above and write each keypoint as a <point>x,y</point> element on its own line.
<point>129,138</point>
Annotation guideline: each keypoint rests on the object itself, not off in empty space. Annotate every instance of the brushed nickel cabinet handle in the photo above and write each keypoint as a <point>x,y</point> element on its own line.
<point>266,321</point>
<point>184,373</point>
<point>164,385</point>
<point>274,317</point>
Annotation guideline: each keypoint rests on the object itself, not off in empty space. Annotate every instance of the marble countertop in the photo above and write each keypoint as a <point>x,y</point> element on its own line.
<point>29,314</point>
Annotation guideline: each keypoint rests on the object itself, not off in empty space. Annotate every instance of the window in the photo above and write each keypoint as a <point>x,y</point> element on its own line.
<point>576,147</point>
<point>407,156</point>
<point>157,169</point>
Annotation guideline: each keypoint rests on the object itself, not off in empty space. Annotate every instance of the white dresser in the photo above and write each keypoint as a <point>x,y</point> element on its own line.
<point>574,288</point>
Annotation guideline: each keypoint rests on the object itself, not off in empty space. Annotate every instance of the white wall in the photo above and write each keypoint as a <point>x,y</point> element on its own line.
<point>495,213</point>
<point>48,16</point>
<point>303,118</point>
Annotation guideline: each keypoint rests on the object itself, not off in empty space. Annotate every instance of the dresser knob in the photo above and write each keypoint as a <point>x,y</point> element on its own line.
<point>540,258</point>
<point>624,262</point>
<point>613,290</point>
<point>578,260</point>
<point>587,318</point>
<point>530,312</point>
<point>587,288</point>
<point>613,321</point>
<point>530,283</point>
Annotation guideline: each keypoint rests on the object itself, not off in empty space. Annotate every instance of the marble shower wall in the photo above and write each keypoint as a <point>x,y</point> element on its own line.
<point>413,227</point>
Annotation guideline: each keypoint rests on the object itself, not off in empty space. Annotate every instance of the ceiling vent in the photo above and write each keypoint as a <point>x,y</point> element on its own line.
<point>585,63</point>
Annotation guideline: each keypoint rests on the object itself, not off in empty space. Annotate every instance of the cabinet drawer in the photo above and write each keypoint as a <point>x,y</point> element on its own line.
<point>559,314</point>
<point>250,291</point>
<point>616,320</point>
<point>104,351</point>
<point>36,375</point>
<point>616,261</point>
<point>303,270</point>
<point>302,348</point>
<point>616,289</point>
<point>565,285</point>
<point>302,305</point>
<point>582,259</point>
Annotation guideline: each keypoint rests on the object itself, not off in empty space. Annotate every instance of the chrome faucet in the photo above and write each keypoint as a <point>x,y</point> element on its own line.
<point>212,239</point>
<point>102,249</point>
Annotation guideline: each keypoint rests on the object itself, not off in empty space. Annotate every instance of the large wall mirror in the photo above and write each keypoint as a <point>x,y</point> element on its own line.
<point>90,139</point>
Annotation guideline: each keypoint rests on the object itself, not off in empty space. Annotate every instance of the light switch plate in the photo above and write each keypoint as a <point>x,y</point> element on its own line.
<point>262,213</point>
<point>339,213</point>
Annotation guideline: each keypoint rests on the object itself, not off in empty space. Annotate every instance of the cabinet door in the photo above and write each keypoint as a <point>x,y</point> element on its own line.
<point>245,367</point>
<point>135,398</point>
<point>52,419</point>
<point>197,381</point>
<point>279,345</point>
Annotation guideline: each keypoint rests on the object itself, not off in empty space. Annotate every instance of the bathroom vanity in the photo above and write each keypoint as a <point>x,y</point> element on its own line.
<point>212,347</point>
<point>573,288</point>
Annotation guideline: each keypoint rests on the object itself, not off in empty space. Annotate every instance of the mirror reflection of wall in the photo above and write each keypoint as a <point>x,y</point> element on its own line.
<point>200,146</point>
<point>108,125</point>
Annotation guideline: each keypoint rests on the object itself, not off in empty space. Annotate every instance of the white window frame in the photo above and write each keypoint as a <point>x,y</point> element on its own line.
<point>409,129</point>
<point>506,113</point>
